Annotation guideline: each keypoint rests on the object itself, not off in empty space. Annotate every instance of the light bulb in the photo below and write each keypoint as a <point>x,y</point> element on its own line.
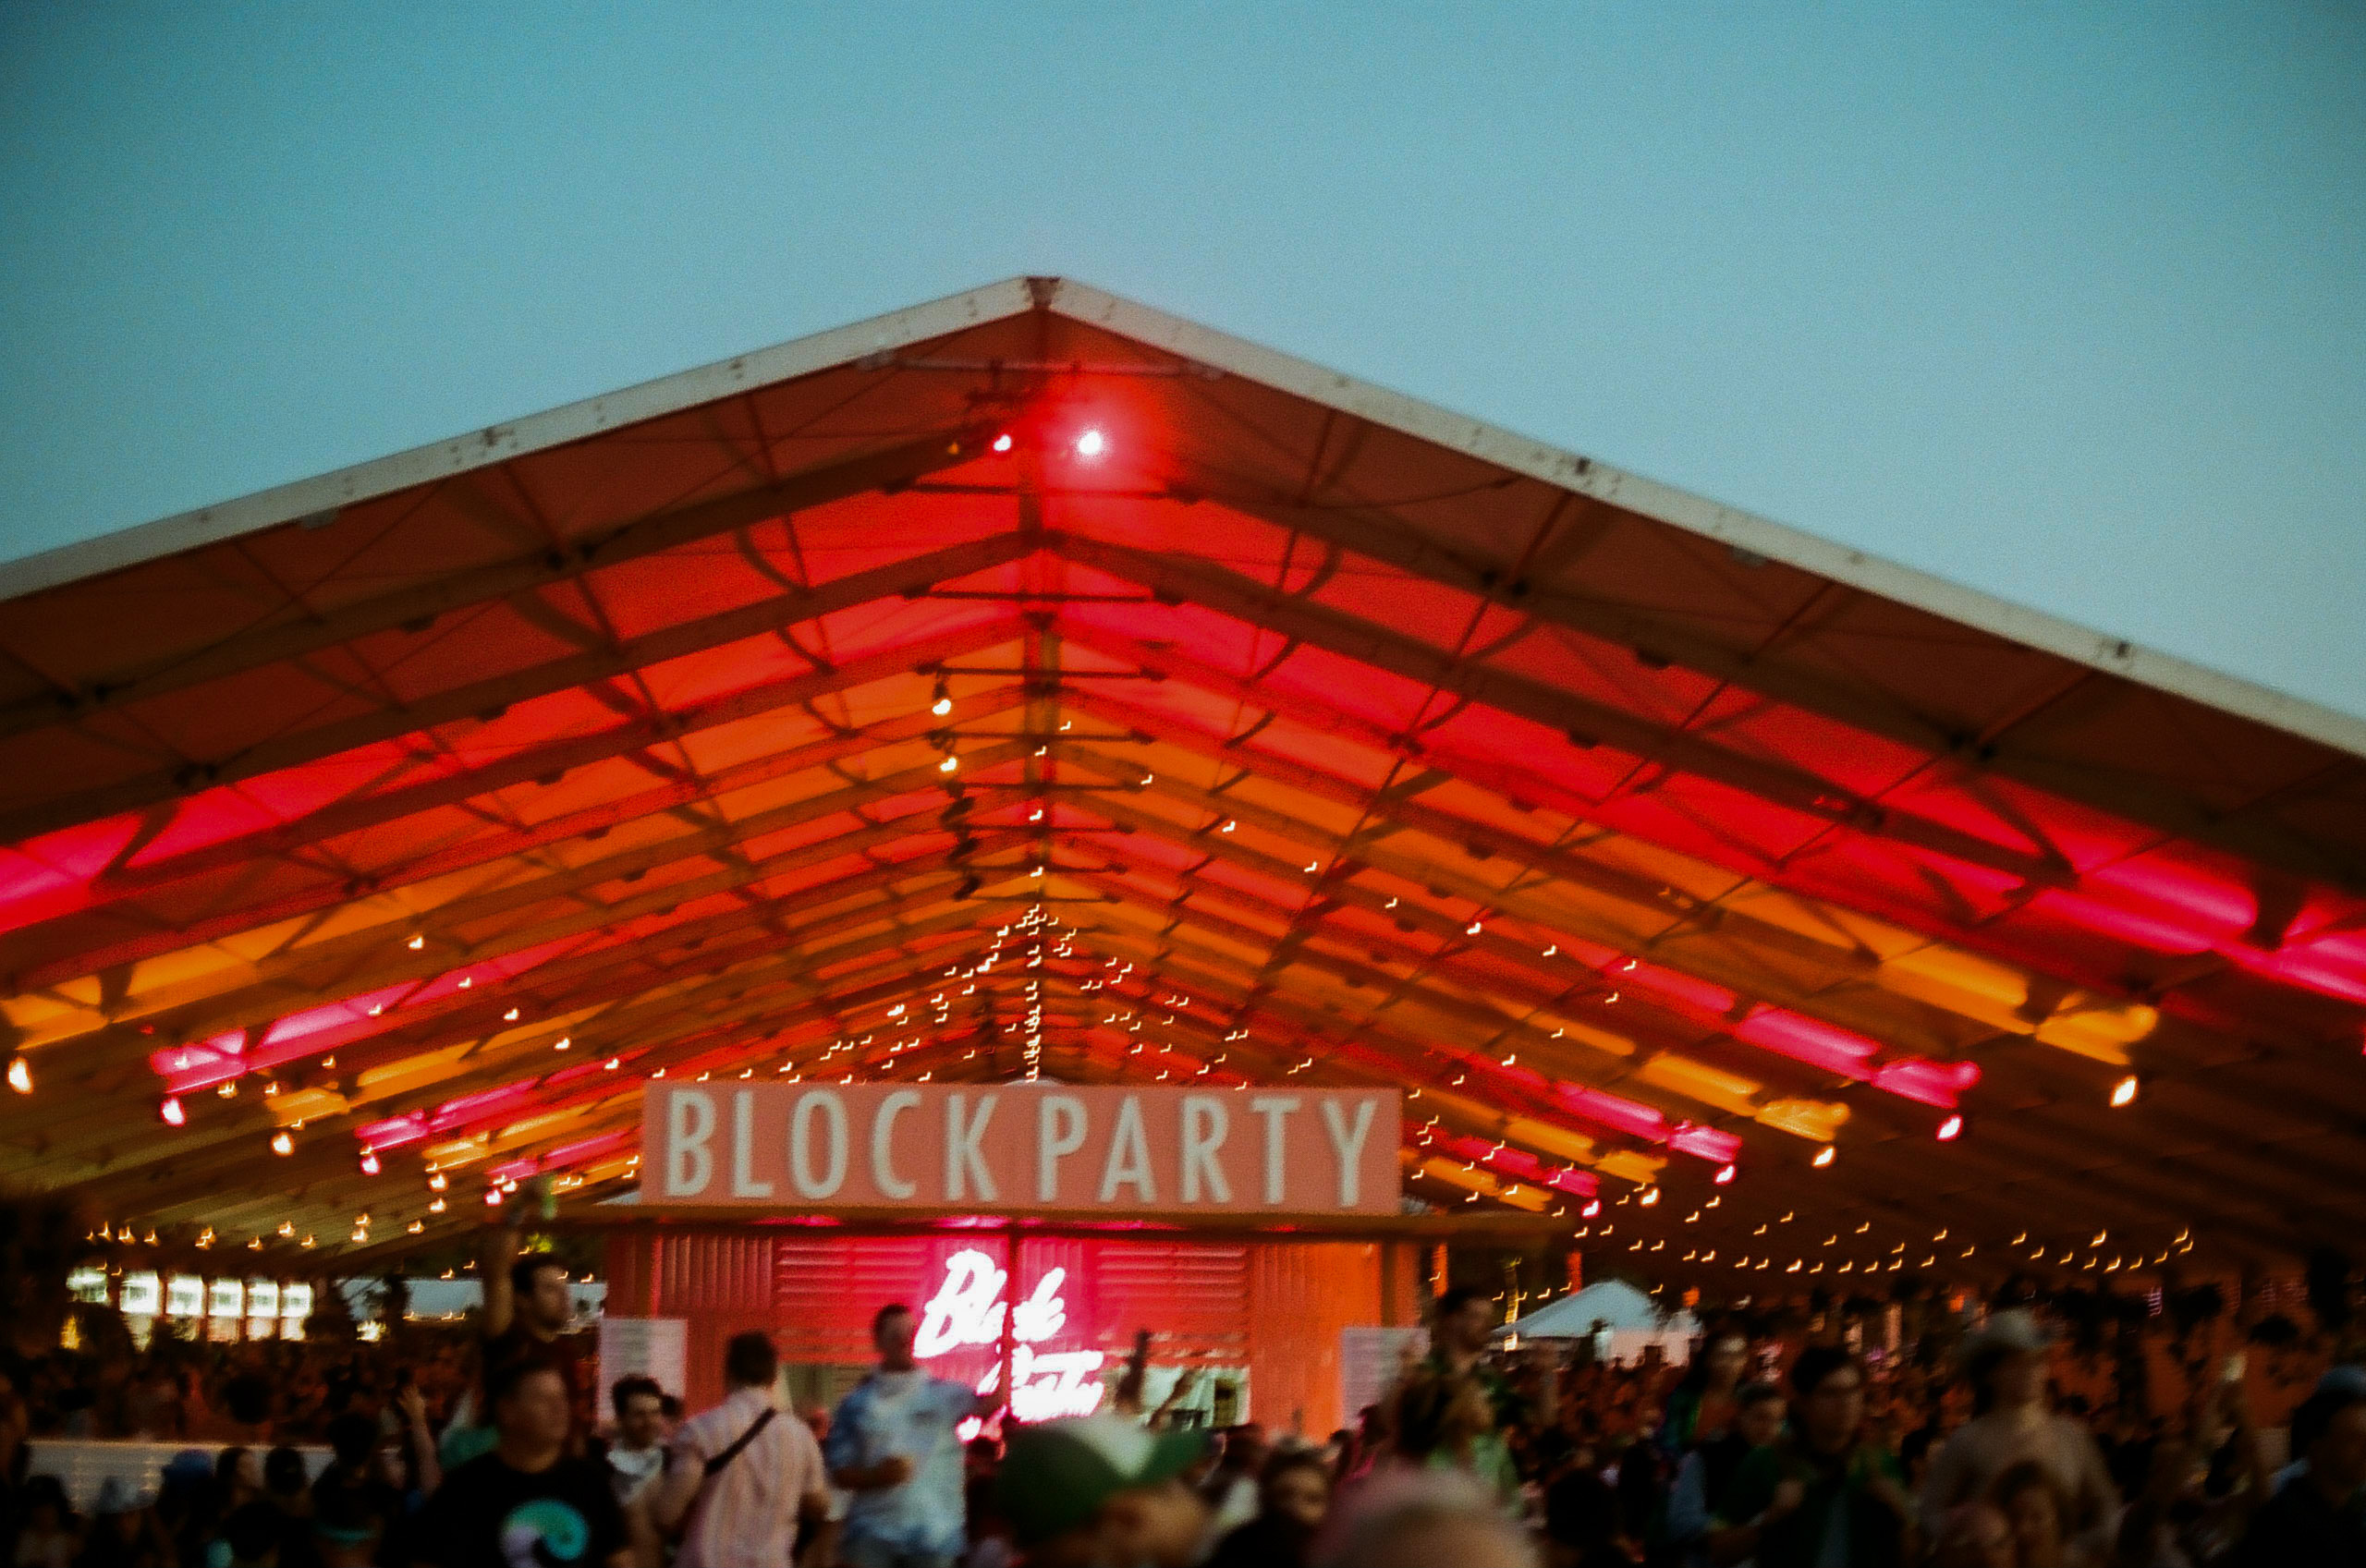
<point>1950,1129</point>
<point>282,1144</point>
<point>1092,443</point>
<point>948,765</point>
<point>1824,1156</point>
<point>1003,442</point>
<point>171,1111</point>
<point>2124,1091</point>
<point>21,1075</point>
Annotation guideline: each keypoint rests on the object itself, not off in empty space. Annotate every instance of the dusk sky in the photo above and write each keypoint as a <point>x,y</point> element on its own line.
<point>2068,305</point>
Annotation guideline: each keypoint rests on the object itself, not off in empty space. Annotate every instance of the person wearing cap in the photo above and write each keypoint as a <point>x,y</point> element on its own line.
<point>1099,1491</point>
<point>2005,1361</point>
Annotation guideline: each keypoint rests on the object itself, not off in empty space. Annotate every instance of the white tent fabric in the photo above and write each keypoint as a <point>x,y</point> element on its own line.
<point>1612,1303</point>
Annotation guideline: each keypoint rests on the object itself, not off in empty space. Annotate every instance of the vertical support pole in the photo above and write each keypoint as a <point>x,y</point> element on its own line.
<point>1011,1297</point>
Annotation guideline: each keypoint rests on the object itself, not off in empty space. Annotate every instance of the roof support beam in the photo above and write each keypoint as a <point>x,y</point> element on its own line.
<point>1386,536</point>
<point>35,814</point>
<point>1245,600</point>
<point>299,629</point>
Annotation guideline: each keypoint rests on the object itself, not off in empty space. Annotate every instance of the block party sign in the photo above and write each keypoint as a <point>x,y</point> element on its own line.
<point>1004,1147</point>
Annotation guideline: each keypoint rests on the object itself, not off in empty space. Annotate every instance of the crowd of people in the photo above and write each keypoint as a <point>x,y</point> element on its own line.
<point>1785,1442</point>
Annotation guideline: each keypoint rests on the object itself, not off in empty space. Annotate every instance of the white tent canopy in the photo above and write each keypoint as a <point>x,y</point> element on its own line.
<point>1610,1304</point>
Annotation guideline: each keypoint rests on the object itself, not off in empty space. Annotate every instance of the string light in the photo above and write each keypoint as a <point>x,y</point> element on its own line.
<point>943,700</point>
<point>1824,1156</point>
<point>170,1111</point>
<point>282,1144</point>
<point>1951,1130</point>
<point>2124,1092</point>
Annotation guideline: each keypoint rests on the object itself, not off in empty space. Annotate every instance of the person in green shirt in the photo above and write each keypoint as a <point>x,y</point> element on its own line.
<point>1822,1497</point>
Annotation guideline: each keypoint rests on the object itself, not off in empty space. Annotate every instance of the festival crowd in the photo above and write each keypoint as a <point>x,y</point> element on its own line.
<point>1786,1441</point>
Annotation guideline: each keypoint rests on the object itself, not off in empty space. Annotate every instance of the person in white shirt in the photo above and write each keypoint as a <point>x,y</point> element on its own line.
<point>2005,1364</point>
<point>638,1453</point>
<point>743,1475</point>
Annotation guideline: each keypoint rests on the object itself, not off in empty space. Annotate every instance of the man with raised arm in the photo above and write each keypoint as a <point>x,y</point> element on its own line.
<point>894,1445</point>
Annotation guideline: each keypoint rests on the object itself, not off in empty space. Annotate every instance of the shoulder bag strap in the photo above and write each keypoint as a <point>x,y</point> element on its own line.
<point>721,1462</point>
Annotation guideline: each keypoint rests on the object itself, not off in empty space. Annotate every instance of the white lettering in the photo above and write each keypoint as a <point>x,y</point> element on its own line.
<point>882,1136</point>
<point>689,1122</point>
<point>1348,1145</point>
<point>962,1162</point>
<point>1128,1155</point>
<point>1275,1109</point>
<point>1059,1130</point>
<point>743,1147</point>
<point>1206,1122</point>
<point>967,1309</point>
<point>800,1143</point>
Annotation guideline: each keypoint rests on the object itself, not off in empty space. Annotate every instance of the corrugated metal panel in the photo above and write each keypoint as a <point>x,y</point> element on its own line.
<point>1194,1296</point>
<point>1301,1294</point>
<point>825,1289</point>
<point>714,1274</point>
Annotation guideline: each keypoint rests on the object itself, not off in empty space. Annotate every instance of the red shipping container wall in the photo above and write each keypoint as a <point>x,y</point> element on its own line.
<point>1277,1307</point>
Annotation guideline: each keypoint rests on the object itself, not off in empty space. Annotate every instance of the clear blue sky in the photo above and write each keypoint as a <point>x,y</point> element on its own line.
<point>2067,303</point>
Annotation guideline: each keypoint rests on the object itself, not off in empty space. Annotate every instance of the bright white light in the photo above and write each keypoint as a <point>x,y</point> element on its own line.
<point>948,765</point>
<point>1002,442</point>
<point>940,707</point>
<point>1091,444</point>
<point>20,1075</point>
<point>2124,1092</point>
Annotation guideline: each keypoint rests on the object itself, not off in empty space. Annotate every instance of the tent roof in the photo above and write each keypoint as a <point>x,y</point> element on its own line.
<point>1304,731</point>
<point>1611,1303</point>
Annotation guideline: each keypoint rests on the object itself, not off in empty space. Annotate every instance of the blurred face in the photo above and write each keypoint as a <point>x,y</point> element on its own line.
<point>1468,1541</point>
<point>894,1337</point>
<point>1977,1538</point>
<point>1299,1493</point>
<point>1726,1356</point>
<point>2037,1524</point>
<point>1159,1525</point>
<point>1761,1423</point>
<point>2020,1377</point>
<point>548,1304</point>
<point>1834,1411</point>
<point>535,1415</point>
<point>1464,1330</point>
<point>642,1422</point>
<point>2339,1455</point>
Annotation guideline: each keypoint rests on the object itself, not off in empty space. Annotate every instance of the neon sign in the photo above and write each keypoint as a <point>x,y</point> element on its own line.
<point>969,1309</point>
